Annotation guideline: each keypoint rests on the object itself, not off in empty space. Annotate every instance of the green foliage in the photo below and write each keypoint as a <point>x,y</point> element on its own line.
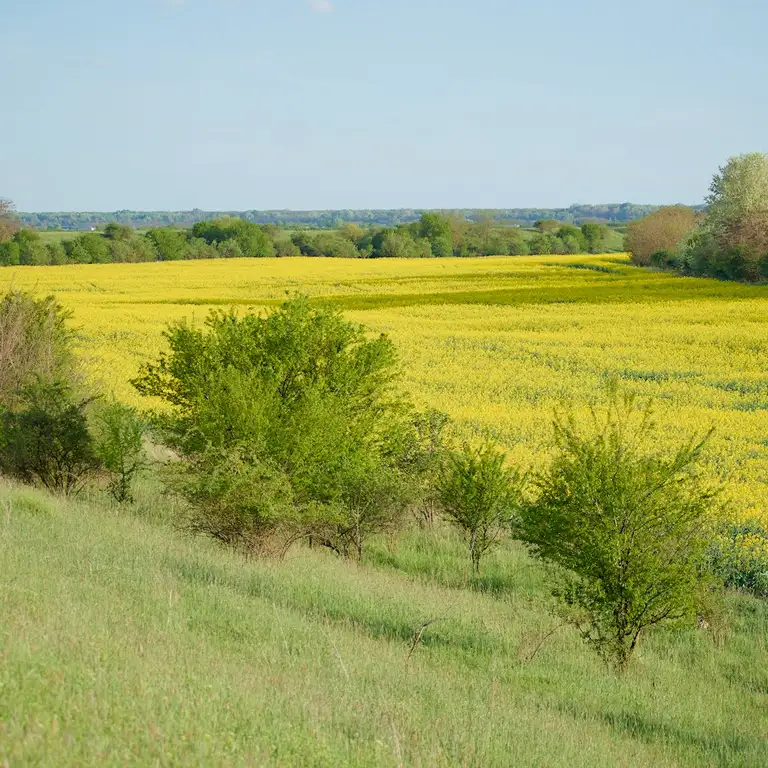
<point>119,445</point>
<point>35,343</point>
<point>738,190</point>
<point>547,226</point>
<point>32,250</point>
<point>301,395</point>
<point>88,248</point>
<point>45,439</point>
<point>425,460</point>
<point>251,239</point>
<point>594,236</point>
<point>170,646</point>
<point>624,528</point>
<point>480,496</point>
<point>10,254</point>
<point>171,244</point>
<point>115,231</point>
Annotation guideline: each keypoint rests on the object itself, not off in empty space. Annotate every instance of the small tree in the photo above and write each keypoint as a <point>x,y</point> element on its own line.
<point>624,529</point>
<point>46,439</point>
<point>34,343</point>
<point>479,495</point>
<point>664,230</point>
<point>120,447</point>
<point>594,236</point>
<point>373,500</point>
<point>9,223</point>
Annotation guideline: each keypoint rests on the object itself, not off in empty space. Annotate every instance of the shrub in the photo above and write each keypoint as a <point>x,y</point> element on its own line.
<point>426,459</point>
<point>374,499</point>
<point>119,434</point>
<point>624,529</point>
<point>479,495</point>
<point>664,230</point>
<point>234,497</point>
<point>301,397</point>
<point>46,439</point>
<point>34,343</point>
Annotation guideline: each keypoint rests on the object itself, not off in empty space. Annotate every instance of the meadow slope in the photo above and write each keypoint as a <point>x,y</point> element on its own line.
<point>124,643</point>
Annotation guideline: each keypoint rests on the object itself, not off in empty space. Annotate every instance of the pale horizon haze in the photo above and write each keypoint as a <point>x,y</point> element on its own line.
<point>311,104</point>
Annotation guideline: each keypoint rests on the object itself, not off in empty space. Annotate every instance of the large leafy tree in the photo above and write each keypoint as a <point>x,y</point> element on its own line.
<point>289,423</point>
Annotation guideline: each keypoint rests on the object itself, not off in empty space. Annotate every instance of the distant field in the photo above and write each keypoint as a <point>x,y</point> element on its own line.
<point>54,236</point>
<point>497,343</point>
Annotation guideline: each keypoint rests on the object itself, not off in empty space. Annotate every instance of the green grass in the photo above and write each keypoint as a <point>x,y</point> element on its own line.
<point>124,642</point>
<point>59,235</point>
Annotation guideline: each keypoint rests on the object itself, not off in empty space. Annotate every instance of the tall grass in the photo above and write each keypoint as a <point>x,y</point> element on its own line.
<point>123,642</point>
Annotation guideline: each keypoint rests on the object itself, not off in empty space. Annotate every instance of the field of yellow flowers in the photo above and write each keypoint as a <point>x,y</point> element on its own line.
<point>499,343</point>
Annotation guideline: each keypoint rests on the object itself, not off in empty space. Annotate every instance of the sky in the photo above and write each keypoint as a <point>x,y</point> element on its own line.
<point>317,104</point>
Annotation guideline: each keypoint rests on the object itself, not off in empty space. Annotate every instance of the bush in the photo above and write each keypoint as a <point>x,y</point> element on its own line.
<point>624,529</point>
<point>46,439</point>
<point>170,244</point>
<point>35,343</point>
<point>664,230</point>
<point>120,447</point>
<point>479,495</point>
<point>301,398</point>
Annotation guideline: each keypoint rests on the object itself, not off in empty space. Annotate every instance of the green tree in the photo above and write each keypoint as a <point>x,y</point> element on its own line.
<point>32,250</point>
<point>56,253</point>
<point>436,229</point>
<point>738,191</point>
<point>115,231</point>
<point>88,248</point>
<point>300,397</point>
<point>46,439</point>
<point>624,528</point>
<point>480,496</point>
<point>594,236</point>
<point>9,254</point>
<point>171,244</point>
<point>119,445</point>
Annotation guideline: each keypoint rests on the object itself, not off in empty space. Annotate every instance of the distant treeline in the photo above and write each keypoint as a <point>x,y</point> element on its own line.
<point>334,219</point>
<point>432,235</point>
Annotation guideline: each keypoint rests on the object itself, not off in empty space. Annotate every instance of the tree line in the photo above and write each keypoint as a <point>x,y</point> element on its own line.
<point>332,219</point>
<point>433,235</point>
<point>729,241</point>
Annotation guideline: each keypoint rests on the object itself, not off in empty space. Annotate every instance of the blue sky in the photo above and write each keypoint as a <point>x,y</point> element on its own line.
<point>239,104</point>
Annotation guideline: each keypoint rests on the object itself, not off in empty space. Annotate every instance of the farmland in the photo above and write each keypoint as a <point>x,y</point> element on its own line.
<point>496,343</point>
<point>126,642</point>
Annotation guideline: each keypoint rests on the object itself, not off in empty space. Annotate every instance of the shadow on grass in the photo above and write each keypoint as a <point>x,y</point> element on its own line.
<point>392,620</point>
<point>494,584</point>
<point>723,748</point>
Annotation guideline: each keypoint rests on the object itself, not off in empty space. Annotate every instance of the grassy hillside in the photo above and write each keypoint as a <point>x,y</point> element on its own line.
<point>123,642</point>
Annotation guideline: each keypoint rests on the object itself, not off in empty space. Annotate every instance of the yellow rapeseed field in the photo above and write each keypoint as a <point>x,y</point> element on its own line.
<point>497,343</point>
